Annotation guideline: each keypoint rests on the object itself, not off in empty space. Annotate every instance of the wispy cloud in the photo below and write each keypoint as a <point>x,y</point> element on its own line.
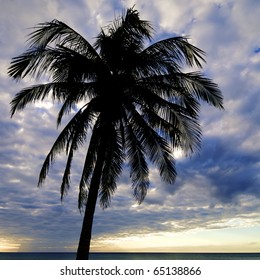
<point>217,189</point>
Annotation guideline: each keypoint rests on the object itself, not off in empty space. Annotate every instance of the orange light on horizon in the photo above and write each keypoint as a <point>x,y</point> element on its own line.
<point>8,245</point>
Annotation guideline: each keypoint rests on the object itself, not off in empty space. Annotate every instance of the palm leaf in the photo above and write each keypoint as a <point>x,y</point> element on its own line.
<point>65,185</point>
<point>89,164</point>
<point>34,62</point>
<point>61,64</point>
<point>156,147</point>
<point>29,95</point>
<point>176,121</point>
<point>60,91</point>
<point>73,94</point>
<point>82,120</point>
<point>174,52</point>
<point>114,158</point>
<point>128,31</point>
<point>201,87</point>
<point>78,138</point>
<point>61,34</point>
<point>139,172</point>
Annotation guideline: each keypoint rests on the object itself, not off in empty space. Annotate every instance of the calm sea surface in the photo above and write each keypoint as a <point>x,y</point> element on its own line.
<point>132,256</point>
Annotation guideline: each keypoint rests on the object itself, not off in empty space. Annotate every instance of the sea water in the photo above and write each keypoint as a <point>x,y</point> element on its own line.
<point>132,256</point>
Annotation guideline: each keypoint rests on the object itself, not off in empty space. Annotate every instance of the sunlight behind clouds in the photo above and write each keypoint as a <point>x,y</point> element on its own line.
<point>9,245</point>
<point>236,240</point>
<point>44,105</point>
<point>214,203</point>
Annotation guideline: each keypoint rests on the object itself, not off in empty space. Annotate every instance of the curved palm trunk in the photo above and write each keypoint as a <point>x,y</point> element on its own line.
<point>85,236</point>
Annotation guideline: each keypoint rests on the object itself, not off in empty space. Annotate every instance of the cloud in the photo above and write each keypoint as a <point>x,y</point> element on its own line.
<point>215,189</point>
<point>230,171</point>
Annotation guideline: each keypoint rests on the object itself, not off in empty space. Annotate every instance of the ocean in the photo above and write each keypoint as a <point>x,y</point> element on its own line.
<point>132,256</point>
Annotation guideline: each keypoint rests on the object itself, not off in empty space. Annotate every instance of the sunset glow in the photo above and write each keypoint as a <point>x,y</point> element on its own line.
<point>213,206</point>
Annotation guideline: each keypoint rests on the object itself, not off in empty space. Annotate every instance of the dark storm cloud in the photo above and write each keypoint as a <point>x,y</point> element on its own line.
<point>230,170</point>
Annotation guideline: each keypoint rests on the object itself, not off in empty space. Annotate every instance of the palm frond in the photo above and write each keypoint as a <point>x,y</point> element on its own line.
<point>128,30</point>
<point>156,147</point>
<point>81,121</point>
<point>89,164</point>
<point>30,95</point>
<point>87,171</point>
<point>61,34</point>
<point>59,145</point>
<point>34,62</point>
<point>133,30</point>
<point>176,120</point>
<point>139,171</point>
<point>73,66</point>
<point>124,38</point>
<point>114,158</point>
<point>189,138</point>
<point>185,131</point>
<point>65,109</point>
<point>175,52</point>
<point>65,185</point>
<point>60,63</point>
<point>202,88</point>
<point>78,138</point>
<point>70,92</point>
<point>75,92</point>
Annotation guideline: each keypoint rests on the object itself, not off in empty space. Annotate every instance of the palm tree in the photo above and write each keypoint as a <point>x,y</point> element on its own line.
<point>132,99</point>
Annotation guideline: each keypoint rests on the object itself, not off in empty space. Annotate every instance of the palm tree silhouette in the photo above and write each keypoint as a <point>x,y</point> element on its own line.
<point>139,105</point>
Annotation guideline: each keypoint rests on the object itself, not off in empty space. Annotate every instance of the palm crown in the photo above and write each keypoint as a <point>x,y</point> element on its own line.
<point>138,104</point>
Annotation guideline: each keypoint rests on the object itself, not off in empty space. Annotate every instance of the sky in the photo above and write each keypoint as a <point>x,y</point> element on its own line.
<point>213,205</point>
